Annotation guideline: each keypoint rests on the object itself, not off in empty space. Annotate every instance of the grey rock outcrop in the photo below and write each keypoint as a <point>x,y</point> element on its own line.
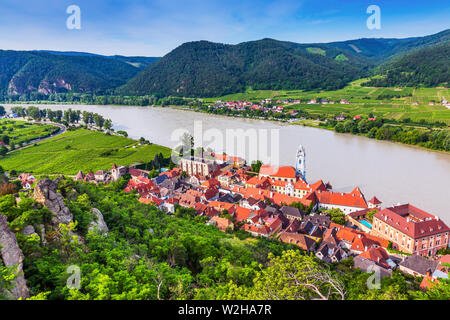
<point>29,230</point>
<point>45,193</point>
<point>98,223</point>
<point>13,256</point>
<point>41,229</point>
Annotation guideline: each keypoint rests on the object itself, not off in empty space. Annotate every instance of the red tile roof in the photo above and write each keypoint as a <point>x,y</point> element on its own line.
<point>375,200</point>
<point>151,200</point>
<point>280,172</point>
<point>222,223</point>
<point>298,239</point>
<point>136,172</point>
<point>428,282</point>
<point>259,230</point>
<point>353,199</point>
<point>211,183</point>
<point>211,193</point>
<point>358,238</point>
<point>377,255</point>
<point>263,183</point>
<point>242,214</point>
<point>319,186</point>
<point>222,206</point>
<point>412,221</point>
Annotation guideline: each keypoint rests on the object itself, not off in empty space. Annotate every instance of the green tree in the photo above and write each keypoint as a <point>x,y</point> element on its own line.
<point>293,276</point>
<point>337,216</point>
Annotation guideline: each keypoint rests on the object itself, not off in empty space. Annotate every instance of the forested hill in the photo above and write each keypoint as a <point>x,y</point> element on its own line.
<point>51,72</point>
<point>429,67</point>
<point>205,69</point>
<point>380,50</point>
<point>211,69</point>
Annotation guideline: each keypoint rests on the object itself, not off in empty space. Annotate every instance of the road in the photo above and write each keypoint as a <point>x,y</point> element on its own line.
<point>61,131</point>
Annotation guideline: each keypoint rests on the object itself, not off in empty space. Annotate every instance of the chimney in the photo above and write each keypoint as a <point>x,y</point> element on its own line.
<point>365,248</point>
<point>378,260</point>
<point>437,218</point>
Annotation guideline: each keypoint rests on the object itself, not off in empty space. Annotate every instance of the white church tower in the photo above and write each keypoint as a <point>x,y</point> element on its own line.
<point>300,166</point>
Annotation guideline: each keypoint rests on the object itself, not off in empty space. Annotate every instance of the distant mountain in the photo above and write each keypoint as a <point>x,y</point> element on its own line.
<point>210,69</point>
<point>139,62</point>
<point>380,50</point>
<point>51,72</point>
<point>429,66</point>
<point>206,69</point>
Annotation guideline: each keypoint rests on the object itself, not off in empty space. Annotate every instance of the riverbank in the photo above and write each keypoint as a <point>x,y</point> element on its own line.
<point>309,123</point>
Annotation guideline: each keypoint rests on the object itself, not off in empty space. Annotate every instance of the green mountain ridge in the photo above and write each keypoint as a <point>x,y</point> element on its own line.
<point>206,69</point>
<point>23,72</point>
<point>429,66</point>
<point>209,69</point>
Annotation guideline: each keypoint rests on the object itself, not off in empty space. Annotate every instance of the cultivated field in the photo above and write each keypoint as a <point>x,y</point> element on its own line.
<point>80,150</point>
<point>22,131</point>
<point>391,103</point>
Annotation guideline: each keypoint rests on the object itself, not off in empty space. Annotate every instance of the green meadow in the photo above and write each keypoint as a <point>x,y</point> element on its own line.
<point>80,150</point>
<point>22,131</point>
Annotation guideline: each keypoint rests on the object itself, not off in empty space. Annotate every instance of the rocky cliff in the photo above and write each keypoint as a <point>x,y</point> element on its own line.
<point>13,256</point>
<point>46,194</point>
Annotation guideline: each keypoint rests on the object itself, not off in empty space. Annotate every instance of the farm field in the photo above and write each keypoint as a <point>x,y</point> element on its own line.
<point>390,103</point>
<point>22,131</point>
<point>80,150</point>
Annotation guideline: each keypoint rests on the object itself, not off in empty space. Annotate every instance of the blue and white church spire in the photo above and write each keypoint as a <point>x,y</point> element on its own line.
<point>300,165</point>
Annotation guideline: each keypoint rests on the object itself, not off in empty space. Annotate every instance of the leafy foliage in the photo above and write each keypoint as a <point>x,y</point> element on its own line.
<point>429,67</point>
<point>148,254</point>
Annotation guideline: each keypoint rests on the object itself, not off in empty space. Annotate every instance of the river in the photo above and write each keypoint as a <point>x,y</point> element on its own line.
<point>393,172</point>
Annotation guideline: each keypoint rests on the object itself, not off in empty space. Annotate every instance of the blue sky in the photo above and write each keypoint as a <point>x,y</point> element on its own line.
<point>155,27</point>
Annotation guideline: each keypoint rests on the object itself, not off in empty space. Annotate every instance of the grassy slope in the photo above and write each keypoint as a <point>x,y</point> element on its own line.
<point>24,131</point>
<point>363,101</point>
<point>84,153</point>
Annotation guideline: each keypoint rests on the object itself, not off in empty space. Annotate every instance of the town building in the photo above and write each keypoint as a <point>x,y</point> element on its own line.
<point>222,223</point>
<point>346,202</point>
<point>118,172</point>
<point>200,166</point>
<point>417,266</point>
<point>411,230</point>
<point>285,173</point>
<point>300,240</point>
